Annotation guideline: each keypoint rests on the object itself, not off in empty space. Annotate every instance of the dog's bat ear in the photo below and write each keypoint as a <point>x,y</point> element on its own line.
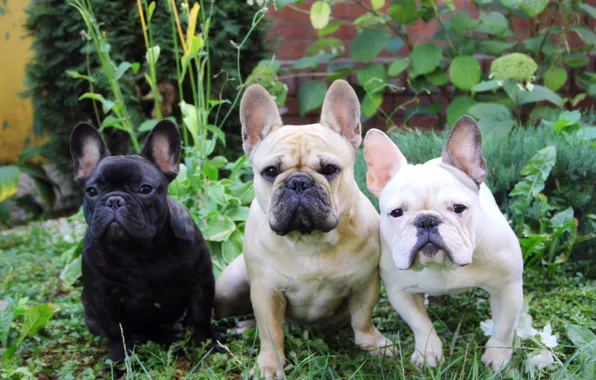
<point>341,112</point>
<point>258,115</point>
<point>383,159</point>
<point>163,148</point>
<point>464,149</point>
<point>87,149</point>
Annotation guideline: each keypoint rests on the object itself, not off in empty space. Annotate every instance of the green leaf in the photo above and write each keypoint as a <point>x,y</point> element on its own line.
<point>464,72</point>
<point>72,271</point>
<point>368,44</point>
<point>588,9</point>
<point>6,318</point>
<point>73,74</point>
<point>438,77</point>
<point>395,44</point>
<point>403,11</point>
<point>310,96</point>
<point>330,28</point>
<point>150,11</point>
<point>580,335</point>
<point>371,103</point>
<point>562,217</point>
<point>587,35</point>
<point>534,175</point>
<point>555,77</point>
<point>35,318</point>
<point>513,66</point>
<point>493,23</point>
<point>539,94</point>
<point>135,67</point>
<point>373,77</point>
<point>238,214</point>
<point>319,14</point>
<point>426,58</point>
<point>532,7</point>
<point>493,111</point>
<point>217,227</point>
<point>148,125</point>
<point>398,67</point>
<point>511,4</point>
<point>487,86</point>
<point>462,22</point>
<point>492,128</point>
<point>94,96</point>
<point>217,193</point>
<point>152,54</point>
<point>123,67</point>
<point>44,184</point>
<point>112,122</point>
<point>495,47</point>
<point>576,60</point>
<point>9,181</point>
<point>325,45</point>
<point>458,108</point>
<point>377,4</point>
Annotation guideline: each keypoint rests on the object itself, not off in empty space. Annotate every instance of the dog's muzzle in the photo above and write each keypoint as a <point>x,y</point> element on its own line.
<point>429,240</point>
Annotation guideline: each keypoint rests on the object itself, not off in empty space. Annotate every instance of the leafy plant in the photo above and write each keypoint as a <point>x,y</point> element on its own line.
<point>529,69</point>
<point>32,318</point>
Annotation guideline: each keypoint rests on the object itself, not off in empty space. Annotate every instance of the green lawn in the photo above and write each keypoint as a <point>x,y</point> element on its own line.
<point>30,265</point>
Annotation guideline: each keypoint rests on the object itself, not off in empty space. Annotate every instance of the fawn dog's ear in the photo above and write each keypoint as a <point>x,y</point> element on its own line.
<point>258,115</point>
<point>341,112</point>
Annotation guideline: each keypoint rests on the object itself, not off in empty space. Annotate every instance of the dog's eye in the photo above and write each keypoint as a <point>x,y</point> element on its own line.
<point>145,189</point>
<point>329,170</point>
<point>396,213</point>
<point>270,172</point>
<point>459,208</point>
<point>91,191</point>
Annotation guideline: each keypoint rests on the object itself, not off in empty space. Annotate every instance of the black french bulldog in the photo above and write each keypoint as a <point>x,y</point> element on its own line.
<point>145,263</point>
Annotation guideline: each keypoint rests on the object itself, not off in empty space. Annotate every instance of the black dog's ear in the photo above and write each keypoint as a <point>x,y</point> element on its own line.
<point>87,149</point>
<point>163,148</point>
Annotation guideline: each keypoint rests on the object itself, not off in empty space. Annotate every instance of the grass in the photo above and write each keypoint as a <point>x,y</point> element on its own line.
<point>30,264</point>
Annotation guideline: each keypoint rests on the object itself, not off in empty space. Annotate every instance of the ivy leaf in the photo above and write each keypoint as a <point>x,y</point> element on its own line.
<point>555,77</point>
<point>398,67</point>
<point>458,108</point>
<point>532,7</point>
<point>319,14</point>
<point>426,58</point>
<point>368,44</point>
<point>464,72</point>
<point>310,96</point>
<point>403,11</point>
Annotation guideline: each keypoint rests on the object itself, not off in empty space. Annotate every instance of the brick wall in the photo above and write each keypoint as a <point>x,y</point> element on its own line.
<point>292,33</point>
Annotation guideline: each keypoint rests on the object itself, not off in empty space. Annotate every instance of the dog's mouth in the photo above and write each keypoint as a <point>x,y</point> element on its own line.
<point>120,225</point>
<point>428,245</point>
<point>116,232</point>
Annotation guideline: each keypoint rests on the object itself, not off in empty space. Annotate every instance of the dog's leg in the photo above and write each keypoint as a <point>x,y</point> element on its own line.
<point>232,290</point>
<point>366,335</point>
<point>505,304</point>
<point>199,312</point>
<point>102,314</point>
<point>270,311</point>
<point>410,306</point>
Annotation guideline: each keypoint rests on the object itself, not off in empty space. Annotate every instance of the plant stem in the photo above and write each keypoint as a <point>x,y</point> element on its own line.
<point>152,63</point>
<point>178,70</point>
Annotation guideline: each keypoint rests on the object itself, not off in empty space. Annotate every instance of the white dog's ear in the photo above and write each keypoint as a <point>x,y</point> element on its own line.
<point>383,159</point>
<point>341,112</point>
<point>258,115</point>
<point>464,149</point>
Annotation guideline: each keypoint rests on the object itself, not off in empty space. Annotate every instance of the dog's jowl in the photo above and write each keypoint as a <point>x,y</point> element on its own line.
<point>442,232</point>
<point>311,247</point>
<point>145,263</point>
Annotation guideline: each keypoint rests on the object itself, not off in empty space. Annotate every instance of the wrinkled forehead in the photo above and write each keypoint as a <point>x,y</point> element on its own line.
<point>423,187</point>
<point>125,169</point>
<point>296,145</point>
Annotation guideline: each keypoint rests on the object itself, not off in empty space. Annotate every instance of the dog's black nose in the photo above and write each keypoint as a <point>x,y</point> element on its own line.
<point>299,182</point>
<point>426,222</point>
<point>115,201</point>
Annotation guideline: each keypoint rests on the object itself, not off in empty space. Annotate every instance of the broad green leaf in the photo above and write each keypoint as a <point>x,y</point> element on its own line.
<point>368,44</point>
<point>464,72</point>
<point>217,227</point>
<point>493,111</point>
<point>189,117</point>
<point>539,94</point>
<point>580,335</point>
<point>426,58</point>
<point>150,11</point>
<point>458,108</point>
<point>310,96</point>
<point>534,175</point>
<point>438,77</point>
<point>493,23</point>
<point>217,193</point>
<point>562,217</point>
<point>330,28</point>
<point>373,77</point>
<point>513,66</point>
<point>369,19</point>
<point>403,11</point>
<point>152,55</point>
<point>532,7</point>
<point>73,74</point>
<point>398,67</point>
<point>576,60</point>
<point>491,128</point>
<point>588,9</point>
<point>330,45</point>
<point>495,47</point>
<point>395,44</point>
<point>511,4</point>
<point>586,133</point>
<point>377,4</point>
<point>371,103</point>
<point>123,67</point>
<point>555,77</point>
<point>462,22</point>
<point>35,318</point>
<point>238,214</point>
<point>319,14</point>
<point>9,181</point>
<point>148,125</point>
<point>587,35</point>
<point>487,86</point>
<point>72,271</point>
<point>6,318</point>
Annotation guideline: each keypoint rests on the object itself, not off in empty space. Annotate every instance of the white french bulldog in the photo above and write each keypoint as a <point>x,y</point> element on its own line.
<point>443,233</point>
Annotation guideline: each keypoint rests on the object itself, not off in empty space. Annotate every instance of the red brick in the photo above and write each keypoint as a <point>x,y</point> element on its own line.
<point>289,14</point>
<point>422,31</point>
<point>347,10</point>
<point>346,32</point>
<point>291,31</point>
<point>291,50</point>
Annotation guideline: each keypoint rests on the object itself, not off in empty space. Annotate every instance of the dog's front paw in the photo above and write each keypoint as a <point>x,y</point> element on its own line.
<point>116,351</point>
<point>496,357</point>
<point>270,366</point>
<point>429,353</point>
<point>375,344</point>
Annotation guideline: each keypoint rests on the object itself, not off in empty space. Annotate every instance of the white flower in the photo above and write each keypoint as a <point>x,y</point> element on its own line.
<point>426,300</point>
<point>542,359</point>
<point>547,337</point>
<point>524,325</point>
<point>487,327</point>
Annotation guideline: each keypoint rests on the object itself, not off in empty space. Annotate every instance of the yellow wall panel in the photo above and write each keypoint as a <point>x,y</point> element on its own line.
<point>16,114</point>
